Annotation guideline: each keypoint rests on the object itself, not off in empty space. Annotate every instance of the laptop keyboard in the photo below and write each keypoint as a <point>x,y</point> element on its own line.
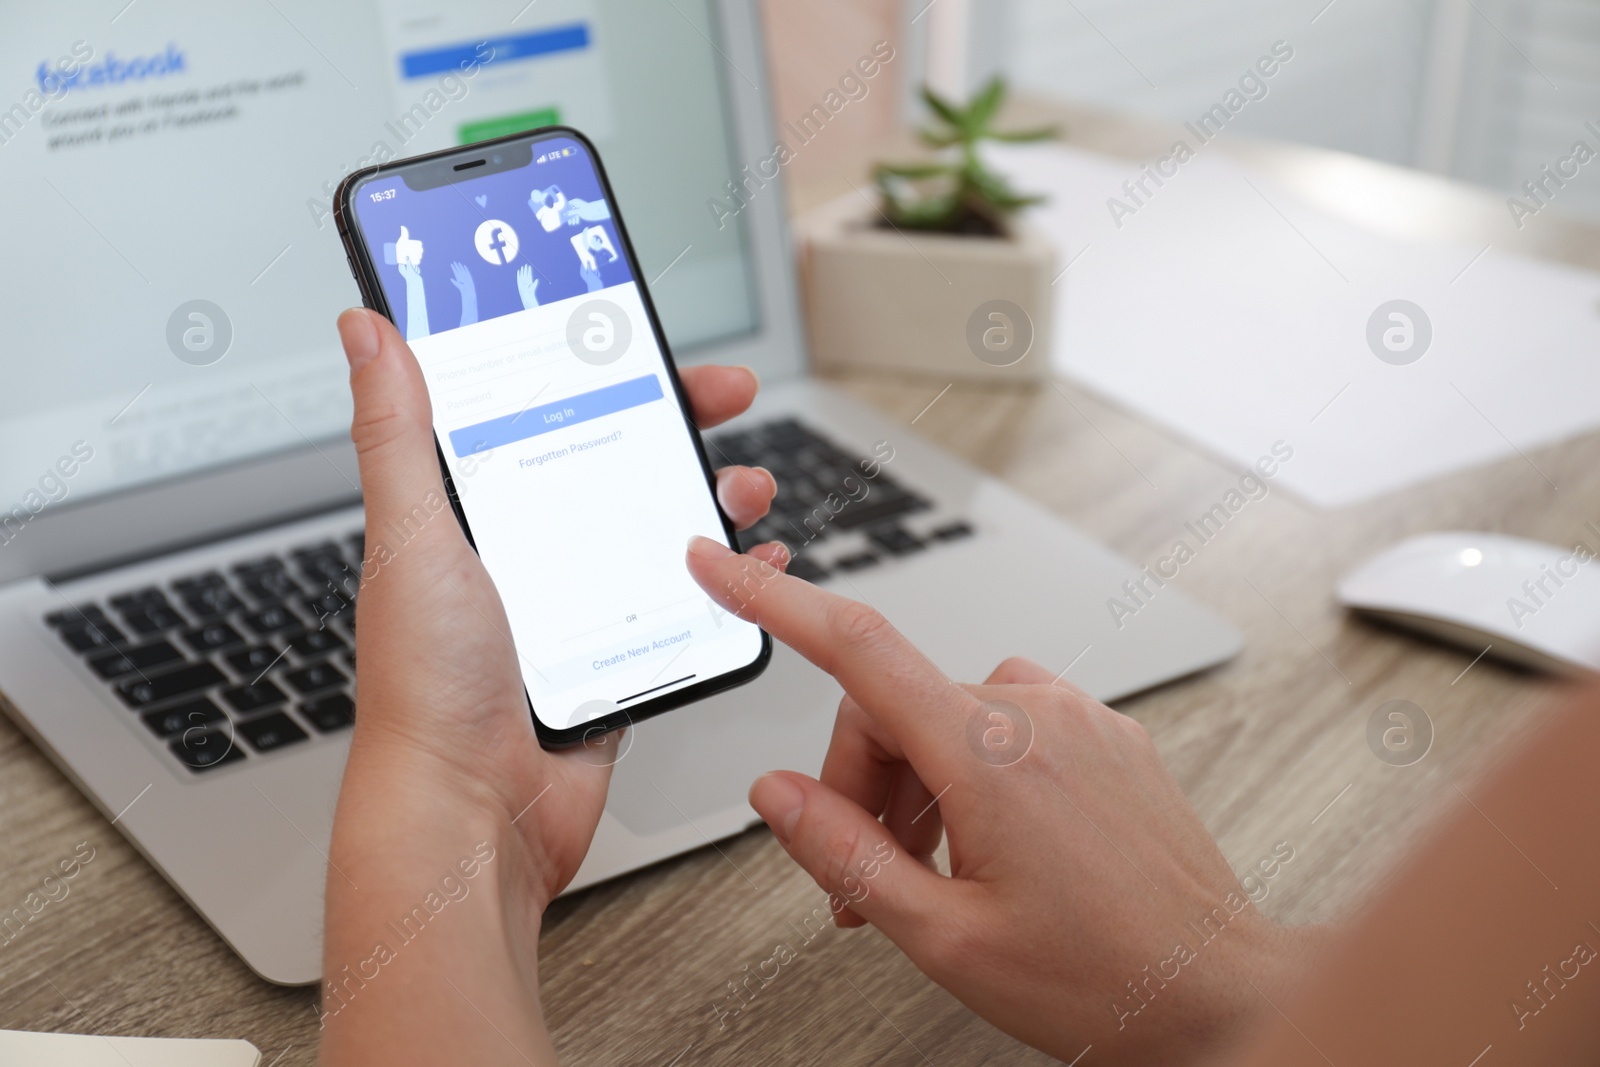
<point>229,664</point>
<point>834,516</point>
<point>241,662</point>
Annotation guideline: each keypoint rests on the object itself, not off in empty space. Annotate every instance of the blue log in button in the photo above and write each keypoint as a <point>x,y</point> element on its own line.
<point>574,37</point>
<point>531,422</point>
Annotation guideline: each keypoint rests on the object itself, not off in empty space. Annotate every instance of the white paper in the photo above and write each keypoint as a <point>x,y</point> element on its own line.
<point>23,1049</point>
<point>1227,309</point>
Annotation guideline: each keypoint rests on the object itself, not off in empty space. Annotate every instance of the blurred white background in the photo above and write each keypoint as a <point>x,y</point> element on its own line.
<point>1487,91</point>
<point>1483,90</point>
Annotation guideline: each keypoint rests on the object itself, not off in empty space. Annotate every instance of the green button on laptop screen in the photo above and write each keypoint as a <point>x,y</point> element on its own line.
<point>506,125</point>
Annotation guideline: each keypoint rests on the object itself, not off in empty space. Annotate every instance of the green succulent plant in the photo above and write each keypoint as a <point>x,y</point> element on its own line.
<point>957,194</point>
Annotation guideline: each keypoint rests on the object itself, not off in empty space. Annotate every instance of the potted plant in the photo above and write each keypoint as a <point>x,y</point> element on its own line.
<point>941,276</point>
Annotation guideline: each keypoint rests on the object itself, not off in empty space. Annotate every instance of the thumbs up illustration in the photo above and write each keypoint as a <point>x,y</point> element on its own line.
<point>408,249</point>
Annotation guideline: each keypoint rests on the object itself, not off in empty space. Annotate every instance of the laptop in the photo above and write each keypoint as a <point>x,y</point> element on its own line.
<point>179,505</point>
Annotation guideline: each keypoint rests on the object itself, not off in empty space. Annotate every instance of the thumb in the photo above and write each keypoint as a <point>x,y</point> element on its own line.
<point>404,233</point>
<point>393,423</point>
<point>853,857</point>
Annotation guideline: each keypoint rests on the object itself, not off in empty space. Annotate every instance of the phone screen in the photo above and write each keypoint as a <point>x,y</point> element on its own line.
<point>559,420</point>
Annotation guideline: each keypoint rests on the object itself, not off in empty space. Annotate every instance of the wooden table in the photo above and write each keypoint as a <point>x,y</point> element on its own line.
<point>1269,748</point>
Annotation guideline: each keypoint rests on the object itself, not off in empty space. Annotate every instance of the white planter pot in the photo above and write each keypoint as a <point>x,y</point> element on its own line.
<point>944,306</point>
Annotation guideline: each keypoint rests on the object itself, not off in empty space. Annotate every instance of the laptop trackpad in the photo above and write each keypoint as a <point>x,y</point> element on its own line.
<point>650,791</point>
<point>700,759</point>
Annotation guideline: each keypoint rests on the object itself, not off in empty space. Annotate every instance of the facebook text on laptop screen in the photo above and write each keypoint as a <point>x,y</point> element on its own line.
<point>174,272</point>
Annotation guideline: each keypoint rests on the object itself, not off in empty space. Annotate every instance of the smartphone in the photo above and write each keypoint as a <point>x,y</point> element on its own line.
<point>569,454</point>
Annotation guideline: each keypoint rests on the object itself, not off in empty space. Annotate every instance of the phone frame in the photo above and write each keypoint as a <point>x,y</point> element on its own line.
<point>364,270</point>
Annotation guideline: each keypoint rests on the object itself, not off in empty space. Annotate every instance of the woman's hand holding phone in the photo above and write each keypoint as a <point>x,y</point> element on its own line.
<point>1075,869</point>
<point>445,773</point>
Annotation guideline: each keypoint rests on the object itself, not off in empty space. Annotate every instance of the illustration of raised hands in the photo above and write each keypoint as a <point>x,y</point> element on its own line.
<point>461,278</point>
<point>408,259</point>
<point>527,287</point>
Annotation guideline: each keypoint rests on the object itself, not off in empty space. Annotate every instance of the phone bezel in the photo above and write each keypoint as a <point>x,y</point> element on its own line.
<point>363,268</point>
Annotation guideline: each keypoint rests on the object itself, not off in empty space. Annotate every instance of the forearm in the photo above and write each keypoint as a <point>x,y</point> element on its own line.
<point>430,965</point>
<point>1216,995</point>
<point>1473,944</point>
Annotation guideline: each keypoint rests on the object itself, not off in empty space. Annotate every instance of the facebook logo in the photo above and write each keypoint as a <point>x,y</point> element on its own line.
<point>496,242</point>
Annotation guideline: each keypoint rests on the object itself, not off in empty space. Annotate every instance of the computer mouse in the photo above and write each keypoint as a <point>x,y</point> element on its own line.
<point>1531,603</point>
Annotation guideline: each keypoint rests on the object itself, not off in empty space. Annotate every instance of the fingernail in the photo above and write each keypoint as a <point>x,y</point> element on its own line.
<point>778,801</point>
<point>779,553</point>
<point>360,336</point>
<point>769,475</point>
<point>706,548</point>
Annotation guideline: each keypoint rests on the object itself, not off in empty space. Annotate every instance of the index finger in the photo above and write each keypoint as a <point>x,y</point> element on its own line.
<point>888,676</point>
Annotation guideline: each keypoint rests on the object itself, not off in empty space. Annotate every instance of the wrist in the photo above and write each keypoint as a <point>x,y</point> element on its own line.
<point>397,759</point>
<point>1297,953</point>
<point>411,822</point>
<point>421,961</point>
<point>1275,960</point>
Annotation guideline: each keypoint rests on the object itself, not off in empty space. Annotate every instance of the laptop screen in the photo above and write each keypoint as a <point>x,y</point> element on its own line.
<point>173,272</point>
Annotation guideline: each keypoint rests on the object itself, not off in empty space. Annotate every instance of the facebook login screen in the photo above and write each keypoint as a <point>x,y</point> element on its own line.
<point>573,461</point>
<point>168,173</point>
